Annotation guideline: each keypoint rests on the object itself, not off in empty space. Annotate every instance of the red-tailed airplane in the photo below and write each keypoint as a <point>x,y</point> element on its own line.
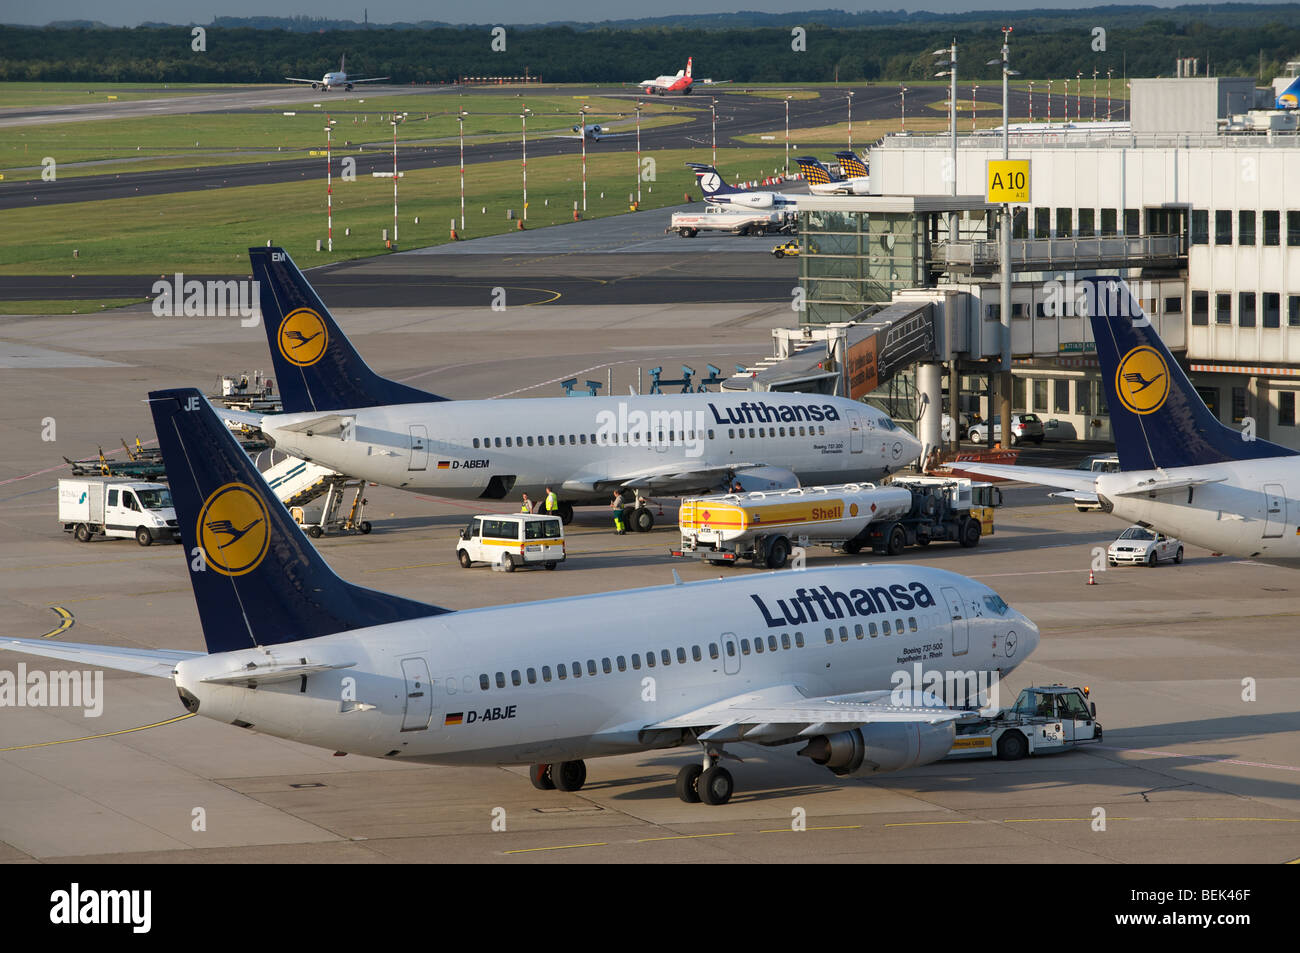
<point>682,83</point>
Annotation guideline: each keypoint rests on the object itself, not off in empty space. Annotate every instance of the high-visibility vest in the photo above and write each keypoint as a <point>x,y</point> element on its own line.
<point>552,502</point>
<point>525,508</point>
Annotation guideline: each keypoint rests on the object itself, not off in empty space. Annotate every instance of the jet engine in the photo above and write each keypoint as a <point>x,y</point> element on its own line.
<point>877,748</point>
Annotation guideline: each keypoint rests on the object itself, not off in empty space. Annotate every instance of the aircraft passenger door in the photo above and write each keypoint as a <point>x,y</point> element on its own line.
<point>419,447</point>
<point>1275,515</point>
<point>960,624</point>
<point>419,695</point>
<point>855,433</point>
<point>730,653</point>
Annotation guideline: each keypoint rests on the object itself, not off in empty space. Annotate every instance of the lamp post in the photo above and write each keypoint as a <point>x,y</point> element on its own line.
<point>396,121</point>
<point>713,111</point>
<point>1108,75</point>
<point>1049,102</point>
<point>1004,236</point>
<point>1094,95</point>
<point>902,107</point>
<point>582,134</point>
<point>850,120</point>
<point>1031,100</point>
<point>461,120</point>
<point>951,73</point>
<point>787,135</point>
<point>329,185</point>
<point>638,154</point>
<point>1066,83</point>
<point>523,118</point>
<point>1078,97</point>
<point>973,92</point>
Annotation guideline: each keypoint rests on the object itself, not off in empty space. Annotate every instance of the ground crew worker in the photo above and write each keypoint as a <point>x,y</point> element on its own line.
<point>527,506</point>
<point>617,507</point>
<point>552,503</point>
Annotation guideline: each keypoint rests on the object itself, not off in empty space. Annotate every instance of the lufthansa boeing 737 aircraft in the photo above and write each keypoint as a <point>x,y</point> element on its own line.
<point>1182,472</point>
<point>783,658</point>
<point>342,415</point>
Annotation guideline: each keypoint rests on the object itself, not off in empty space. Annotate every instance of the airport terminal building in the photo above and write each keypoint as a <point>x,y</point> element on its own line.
<point>1197,206</point>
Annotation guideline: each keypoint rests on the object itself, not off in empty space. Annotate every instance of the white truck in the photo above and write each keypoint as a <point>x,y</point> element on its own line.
<point>117,507</point>
<point>737,221</point>
<point>765,526</point>
<point>1044,720</point>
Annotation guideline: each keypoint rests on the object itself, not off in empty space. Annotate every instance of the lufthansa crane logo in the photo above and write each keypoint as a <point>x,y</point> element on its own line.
<point>1142,380</point>
<point>303,337</point>
<point>234,529</point>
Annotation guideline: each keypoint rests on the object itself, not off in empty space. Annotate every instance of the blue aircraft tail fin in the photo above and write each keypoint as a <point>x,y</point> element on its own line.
<point>1289,98</point>
<point>814,172</point>
<point>257,579</point>
<point>851,164</point>
<point>710,180</point>
<point>316,365</point>
<point>1157,417</point>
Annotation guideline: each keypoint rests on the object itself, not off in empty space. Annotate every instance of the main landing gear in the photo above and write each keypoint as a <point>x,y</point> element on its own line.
<point>706,781</point>
<point>559,776</point>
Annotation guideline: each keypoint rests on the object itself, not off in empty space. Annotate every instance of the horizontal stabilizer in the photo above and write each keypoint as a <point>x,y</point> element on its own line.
<point>274,672</point>
<point>156,662</point>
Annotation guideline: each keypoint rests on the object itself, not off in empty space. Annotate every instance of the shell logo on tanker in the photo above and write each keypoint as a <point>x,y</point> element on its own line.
<point>828,513</point>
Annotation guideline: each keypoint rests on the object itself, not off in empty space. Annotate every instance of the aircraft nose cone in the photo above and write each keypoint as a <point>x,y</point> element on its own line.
<point>1029,635</point>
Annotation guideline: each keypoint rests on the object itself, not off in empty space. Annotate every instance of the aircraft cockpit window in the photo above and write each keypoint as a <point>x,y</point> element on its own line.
<point>996,604</point>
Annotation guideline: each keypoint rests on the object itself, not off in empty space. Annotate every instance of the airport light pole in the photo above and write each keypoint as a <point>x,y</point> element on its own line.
<point>1066,83</point>
<point>850,120</point>
<point>638,154</point>
<point>1031,100</point>
<point>1108,75</point>
<point>902,107</point>
<point>951,73</point>
<point>1094,95</point>
<point>1078,97</point>
<point>713,110</point>
<point>329,185</point>
<point>1004,237</point>
<point>787,136</point>
<point>974,90</point>
<point>523,118</point>
<point>460,118</point>
<point>396,121</point>
<point>582,133</point>
<point>1049,102</point>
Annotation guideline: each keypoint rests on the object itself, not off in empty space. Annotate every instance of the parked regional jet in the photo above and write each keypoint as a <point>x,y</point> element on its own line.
<point>341,414</point>
<point>718,192</point>
<point>336,78</point>
<point>821,181</point>
<point>1182,472</point>
<point>296,652</point>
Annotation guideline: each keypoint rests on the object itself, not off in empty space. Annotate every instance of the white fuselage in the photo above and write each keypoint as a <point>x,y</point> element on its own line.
<point>1253,511</point>
<point>407,682</point>
<point>330,80</point>
<point>858,185</point>
<point>583,446</point>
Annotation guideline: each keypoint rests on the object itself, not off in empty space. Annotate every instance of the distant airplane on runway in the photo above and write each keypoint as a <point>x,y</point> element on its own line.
<point>337,78</point>
<point>681,82</point>
<point>595,132</point>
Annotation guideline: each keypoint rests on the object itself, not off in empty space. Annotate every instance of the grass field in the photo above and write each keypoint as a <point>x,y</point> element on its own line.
<point>66,94</point>
<point>166,142</point>
<point>785,93</point>
<point>211,231</point>
<point>65,307</point>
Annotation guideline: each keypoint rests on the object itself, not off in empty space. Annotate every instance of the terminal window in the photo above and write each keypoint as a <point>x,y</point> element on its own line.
<point>1174,305</point>
<point>1238,404</point>
<point>1272,227</point>
<point>1223,227</point>
<point>1087,222</point>
<point>1210,397</point>
<point>1293,311</point>
<point>1042,223</point>
<point>1293,228</point>
<point>1286,408</point>
<point>1200,226</point>
<point>1272,317</point>
<point>1223,308</point>
<point>1061,405</point>
<point>1246,227</point>
<point>1132,221</point>
<point>1201,307</point>
<point>1064,222</point>
<point>1109,222</point>
<point>1246,309</point>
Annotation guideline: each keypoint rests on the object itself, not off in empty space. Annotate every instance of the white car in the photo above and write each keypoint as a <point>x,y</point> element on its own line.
<point>512,539</point>
<point>1139,546</point>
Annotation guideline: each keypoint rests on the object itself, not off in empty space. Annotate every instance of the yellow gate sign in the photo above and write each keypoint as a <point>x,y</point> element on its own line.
<point>1008,181</point>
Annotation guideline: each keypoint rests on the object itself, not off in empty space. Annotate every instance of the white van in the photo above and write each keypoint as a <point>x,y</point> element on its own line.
<point>117,507</point>
<point>512,539</point>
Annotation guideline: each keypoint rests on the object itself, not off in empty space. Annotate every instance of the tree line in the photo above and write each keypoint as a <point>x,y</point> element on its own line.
<point>602,55</point>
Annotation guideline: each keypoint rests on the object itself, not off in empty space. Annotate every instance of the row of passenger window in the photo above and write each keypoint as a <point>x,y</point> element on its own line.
<point>764,432</point>
<point>582,439</point>
<point>758,646</point>
<point>1247,232</point>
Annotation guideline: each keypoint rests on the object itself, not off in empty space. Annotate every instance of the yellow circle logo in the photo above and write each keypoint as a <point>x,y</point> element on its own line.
<point>303,337</point>
<point>234,529</point>
<point>1142,380</point>
<point>853,509</point>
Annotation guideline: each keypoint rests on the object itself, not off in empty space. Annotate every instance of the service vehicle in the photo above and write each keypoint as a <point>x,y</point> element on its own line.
<point>788,249</point>
<point>1139,546</point>
<point>1023,427</point>
<point>952,509</point>
<point>512,539</point>
<point>119,508</point>
<point>1044,720</point>
<point>720,218</point>
<point>1097,463</point>
<point>766,526</point>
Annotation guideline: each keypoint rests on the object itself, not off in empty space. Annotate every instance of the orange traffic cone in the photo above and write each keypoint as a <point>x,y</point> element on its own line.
<point>1092,578</point>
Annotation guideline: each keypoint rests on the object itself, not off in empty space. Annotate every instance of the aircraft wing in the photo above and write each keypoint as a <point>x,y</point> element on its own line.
<point>371,79</point>
<point>156,662</point>
<point>245,418</point>
<point>1160,485</point>
<point>783,712</point>
<point>1084,481</point>
<point>299,79</point>
<point>328,425</point>
<point>674,478</point>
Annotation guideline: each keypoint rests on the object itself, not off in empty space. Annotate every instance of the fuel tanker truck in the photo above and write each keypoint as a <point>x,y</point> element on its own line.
<point>766,526</point>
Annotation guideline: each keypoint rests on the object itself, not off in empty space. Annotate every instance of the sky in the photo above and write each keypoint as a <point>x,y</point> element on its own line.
<point>133,12</point>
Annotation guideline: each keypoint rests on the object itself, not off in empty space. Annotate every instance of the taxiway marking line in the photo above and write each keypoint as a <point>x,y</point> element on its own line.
<point>107,734</point>
<point>647,840</point>
<point>529,850</point>
<point>66,622</point>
